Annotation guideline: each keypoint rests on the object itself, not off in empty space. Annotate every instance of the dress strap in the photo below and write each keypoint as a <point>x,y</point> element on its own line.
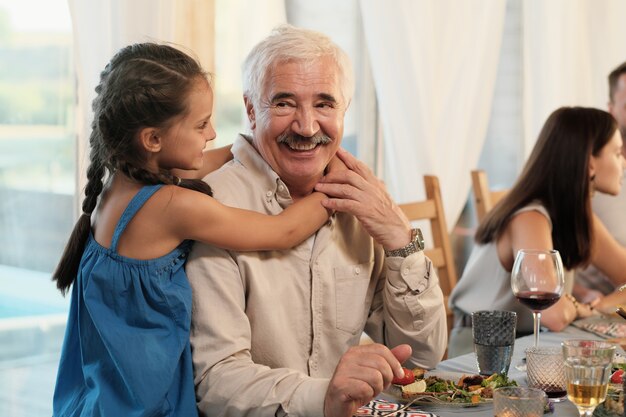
<point>133,207</point>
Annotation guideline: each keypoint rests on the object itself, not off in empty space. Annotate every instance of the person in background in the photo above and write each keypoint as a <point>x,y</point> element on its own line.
<point>611,210</point>
<point>578,153</point>
<point>277,333</point>
<point>126,350</point>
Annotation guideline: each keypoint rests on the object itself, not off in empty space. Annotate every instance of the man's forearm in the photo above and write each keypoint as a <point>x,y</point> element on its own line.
<point>413,309</point>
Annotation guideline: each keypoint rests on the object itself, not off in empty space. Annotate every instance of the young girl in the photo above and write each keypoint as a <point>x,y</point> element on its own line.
<point>577,153</point>
<point>126,350</point>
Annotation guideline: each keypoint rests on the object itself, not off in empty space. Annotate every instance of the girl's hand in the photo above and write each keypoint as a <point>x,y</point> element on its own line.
<point>357,191</point>
<point>335,165</point>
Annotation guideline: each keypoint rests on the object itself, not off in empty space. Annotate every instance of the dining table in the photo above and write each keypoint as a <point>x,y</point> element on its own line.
<point>466,364</point>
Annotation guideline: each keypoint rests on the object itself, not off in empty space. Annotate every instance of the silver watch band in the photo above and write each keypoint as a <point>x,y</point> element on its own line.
<point>415,245</point>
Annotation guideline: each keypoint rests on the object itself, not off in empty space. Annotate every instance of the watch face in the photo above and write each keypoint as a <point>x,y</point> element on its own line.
<point>415,245</point>
<point>419,239</point>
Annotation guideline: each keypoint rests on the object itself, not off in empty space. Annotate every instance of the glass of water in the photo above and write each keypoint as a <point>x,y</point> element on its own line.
<point>587,370</point>
<point>494,337</point>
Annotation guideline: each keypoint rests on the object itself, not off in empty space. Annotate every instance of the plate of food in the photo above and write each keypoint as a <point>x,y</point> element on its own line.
<point>445,389</point>
<point>613,405</point>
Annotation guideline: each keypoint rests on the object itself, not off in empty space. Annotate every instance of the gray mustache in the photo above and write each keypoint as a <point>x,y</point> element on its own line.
<point>292,138</point>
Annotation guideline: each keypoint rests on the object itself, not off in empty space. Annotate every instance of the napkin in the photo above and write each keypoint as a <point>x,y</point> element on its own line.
<point>382,407</point>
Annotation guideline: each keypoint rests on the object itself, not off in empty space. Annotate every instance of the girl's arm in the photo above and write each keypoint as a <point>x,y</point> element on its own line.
<point>607,254</point>
<point>213,159</point>
<point>202,218</point>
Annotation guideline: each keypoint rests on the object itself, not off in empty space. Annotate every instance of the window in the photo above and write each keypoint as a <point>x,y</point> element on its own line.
<point>37,161</point>
<point>37,182</point>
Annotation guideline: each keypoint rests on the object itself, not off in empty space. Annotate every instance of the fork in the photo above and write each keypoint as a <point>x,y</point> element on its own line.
<point>401,409</point>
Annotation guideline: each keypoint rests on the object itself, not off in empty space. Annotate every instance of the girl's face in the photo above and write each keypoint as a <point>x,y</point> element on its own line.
<point>608,167</point>
<point>184,142</point>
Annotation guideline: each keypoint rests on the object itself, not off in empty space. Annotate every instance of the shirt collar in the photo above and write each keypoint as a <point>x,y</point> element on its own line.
<point>244,152</point>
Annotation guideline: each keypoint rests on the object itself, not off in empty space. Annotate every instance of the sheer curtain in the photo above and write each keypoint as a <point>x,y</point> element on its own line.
<point>570,46</point>
<point>101,27</point>
<point>434,65</point>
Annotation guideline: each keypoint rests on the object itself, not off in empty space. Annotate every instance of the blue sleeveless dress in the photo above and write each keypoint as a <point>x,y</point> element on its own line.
<point>126,350</point>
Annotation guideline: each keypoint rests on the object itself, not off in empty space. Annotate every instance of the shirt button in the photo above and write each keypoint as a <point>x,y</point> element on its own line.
<point>357,270</point>
<point>269,193</point>
<point>405,271</point>
<point>280,187</point>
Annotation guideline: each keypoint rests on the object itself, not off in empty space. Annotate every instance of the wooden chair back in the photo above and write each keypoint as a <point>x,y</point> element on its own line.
<point>484,198</point>
<point>440,252</point>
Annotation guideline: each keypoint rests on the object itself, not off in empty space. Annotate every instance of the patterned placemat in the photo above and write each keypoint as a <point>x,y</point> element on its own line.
<point>382,407</point>
<point>605,326</point>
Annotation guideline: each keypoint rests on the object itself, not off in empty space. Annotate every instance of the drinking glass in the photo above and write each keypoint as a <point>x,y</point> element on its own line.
<point>494,337</point>
<point>587,370</point>
<point>546,370</point>
<point>518,402</point>
<point>537,281</point>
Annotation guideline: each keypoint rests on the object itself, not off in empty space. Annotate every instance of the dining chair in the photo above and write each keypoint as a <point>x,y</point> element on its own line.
<point>484,198</point>
<point>439,251</point>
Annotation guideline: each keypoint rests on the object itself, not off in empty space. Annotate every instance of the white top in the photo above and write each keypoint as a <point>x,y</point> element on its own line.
<point>486,285</point>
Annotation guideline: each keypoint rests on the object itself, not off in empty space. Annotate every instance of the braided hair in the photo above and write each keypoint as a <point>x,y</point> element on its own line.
<point>144,85</point>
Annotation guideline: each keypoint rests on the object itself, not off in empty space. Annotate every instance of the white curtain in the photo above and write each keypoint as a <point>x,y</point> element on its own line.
<point>570,46</point>
<point>100,28</point>
<point>434,63</point>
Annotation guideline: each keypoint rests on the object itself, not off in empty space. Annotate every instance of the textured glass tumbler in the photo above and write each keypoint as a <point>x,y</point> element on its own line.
<point>587,371</point>
<point>518,402</point>
<point>494,336</point>
<point>546,370</point>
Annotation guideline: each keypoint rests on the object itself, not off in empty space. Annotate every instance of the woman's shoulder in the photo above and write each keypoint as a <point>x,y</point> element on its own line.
<point>534,205</point>
<point>531,213</point>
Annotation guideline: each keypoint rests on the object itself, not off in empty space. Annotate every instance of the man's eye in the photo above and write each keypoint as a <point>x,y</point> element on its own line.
<point>283,104</point>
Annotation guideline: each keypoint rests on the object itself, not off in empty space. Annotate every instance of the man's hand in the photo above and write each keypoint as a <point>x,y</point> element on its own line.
<point>357,191</point>
<point>361,374</point>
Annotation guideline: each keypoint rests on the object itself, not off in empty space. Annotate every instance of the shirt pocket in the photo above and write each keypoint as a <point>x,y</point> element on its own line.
<point>353,296</point>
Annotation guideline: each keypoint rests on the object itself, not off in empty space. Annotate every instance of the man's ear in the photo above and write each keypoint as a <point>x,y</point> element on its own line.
<point>250,112</point>
<point>610,106</point>
<point>149,139</point>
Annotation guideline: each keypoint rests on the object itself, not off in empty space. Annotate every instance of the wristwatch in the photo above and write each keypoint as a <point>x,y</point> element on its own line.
<point>415,245</point>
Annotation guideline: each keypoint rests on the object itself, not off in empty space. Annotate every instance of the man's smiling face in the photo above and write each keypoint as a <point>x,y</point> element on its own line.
<point>298,125</point>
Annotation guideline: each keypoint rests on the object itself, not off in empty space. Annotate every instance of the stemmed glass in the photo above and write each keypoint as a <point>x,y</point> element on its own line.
<point>587,370</point>
<point>537,281</point>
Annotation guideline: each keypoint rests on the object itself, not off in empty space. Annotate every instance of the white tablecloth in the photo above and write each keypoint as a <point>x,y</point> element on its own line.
<point>467,364</point>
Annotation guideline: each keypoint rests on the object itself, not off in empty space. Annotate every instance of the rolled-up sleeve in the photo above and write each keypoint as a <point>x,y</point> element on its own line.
<point>410,309</point>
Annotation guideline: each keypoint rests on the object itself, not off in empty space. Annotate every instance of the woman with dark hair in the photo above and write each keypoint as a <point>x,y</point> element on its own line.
<point>577,153</point>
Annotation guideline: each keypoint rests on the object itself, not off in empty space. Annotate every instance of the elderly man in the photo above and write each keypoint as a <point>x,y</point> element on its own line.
<point>609,209</point>
<point>277,333</point>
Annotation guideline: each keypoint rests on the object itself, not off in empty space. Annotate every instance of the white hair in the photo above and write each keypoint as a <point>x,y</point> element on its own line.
<point>288,43</point>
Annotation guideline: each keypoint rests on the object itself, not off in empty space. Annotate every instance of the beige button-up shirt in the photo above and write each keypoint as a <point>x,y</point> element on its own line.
<point>268,328</point>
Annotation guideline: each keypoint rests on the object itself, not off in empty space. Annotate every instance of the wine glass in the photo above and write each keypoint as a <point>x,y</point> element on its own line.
<point>537,281</point>
<point>587,370</point>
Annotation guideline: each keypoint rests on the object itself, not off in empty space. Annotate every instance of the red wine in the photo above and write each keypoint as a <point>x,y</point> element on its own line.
<point>537,300</point>
<point>556,393</point>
